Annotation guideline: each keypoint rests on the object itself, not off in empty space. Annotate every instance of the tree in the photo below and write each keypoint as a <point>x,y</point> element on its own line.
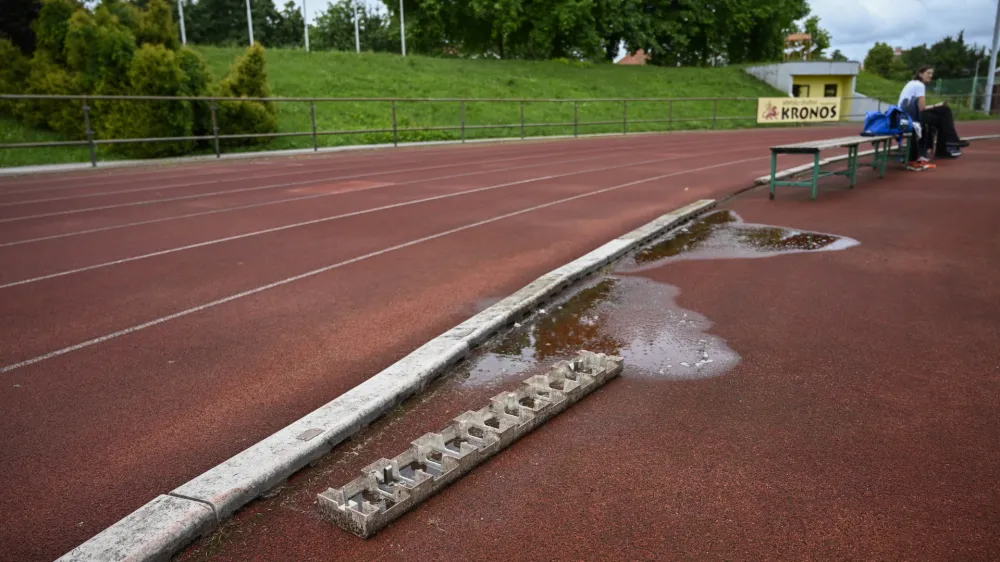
<point>289,31</point>
<point>879,59</point>
<point>224,22</point>
<point>820,37</point>
<point>837,56</point>
<point>16,23</point>
<point>334,28</point>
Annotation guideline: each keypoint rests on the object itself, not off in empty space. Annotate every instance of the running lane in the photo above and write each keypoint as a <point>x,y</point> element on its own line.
<point>92,433</point>
<point>861,422</point>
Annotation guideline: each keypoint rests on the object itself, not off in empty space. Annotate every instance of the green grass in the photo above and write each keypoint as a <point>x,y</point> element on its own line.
<point>294,73</point>
<point>330,74</point>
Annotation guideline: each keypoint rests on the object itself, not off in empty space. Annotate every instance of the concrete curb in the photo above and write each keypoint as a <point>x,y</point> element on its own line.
<point>162,527</point>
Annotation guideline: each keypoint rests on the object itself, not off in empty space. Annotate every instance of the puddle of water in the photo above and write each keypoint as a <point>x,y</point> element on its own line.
<point>724,235</point>
<point>635,318</point>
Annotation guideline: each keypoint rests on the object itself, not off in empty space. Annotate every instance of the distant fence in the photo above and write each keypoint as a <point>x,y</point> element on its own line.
<point>971,91</point>
<point>448,119</point>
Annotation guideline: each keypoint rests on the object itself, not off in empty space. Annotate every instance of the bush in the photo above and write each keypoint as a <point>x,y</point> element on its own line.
<point>157,26</point>
<point>13,72</point>
<point>127,13</point>
<point>197,84</point>
<point>247,78</point>
<point>155,71</point>
<point>51,27</point>
<point>63,116</point>
<point>101,50</point>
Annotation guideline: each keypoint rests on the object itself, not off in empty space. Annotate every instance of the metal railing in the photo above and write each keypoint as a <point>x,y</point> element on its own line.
<point>649,115</point>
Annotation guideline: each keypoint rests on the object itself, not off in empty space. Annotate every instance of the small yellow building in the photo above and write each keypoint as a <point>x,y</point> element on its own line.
<point>816,79</point>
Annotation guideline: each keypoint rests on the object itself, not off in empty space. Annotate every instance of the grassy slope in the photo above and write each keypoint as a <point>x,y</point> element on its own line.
<point>294,73</point>
<point>330,74</point>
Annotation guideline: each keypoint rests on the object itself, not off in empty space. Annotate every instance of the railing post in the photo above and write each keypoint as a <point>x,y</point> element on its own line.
<point>576,119</point>
<point>670,117</point>
<point>715,112</point>
<point>522,120</point>
<point>624,117</point>
<point>90,133</point>
<point>463,121</point>
<point>395,130</point>
<point>215,130</point>
<point>315,137</point>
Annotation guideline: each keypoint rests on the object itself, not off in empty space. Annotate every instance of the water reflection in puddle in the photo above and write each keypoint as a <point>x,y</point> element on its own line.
<point>724,235</point>
<point>637,318</point>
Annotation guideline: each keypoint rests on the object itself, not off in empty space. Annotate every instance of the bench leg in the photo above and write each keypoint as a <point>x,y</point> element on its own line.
<point>852,164</point>
<point>885,157</point>
<point>774,170</point>
<point>815,182</point>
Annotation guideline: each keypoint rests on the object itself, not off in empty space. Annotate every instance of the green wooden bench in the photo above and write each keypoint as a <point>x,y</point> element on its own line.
<point>880,158</point>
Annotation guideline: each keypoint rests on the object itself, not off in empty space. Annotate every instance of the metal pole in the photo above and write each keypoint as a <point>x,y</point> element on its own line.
<point>180,15</point>
<point>522,120</point>
<point>215,131</point>
<point>715,112</point>
<point>624,117</point>
<point>305,23</point>
<point>402,26</point>
<point>395,131</point>
<point>463,121</point>
<point>670,117</point>
<point>250,22</point>
<point>90,134</point>
<point>975,82</point>
<point>576,119</point>
<point>993,64</point>
<point>357,30</point>
<point>315,138</point>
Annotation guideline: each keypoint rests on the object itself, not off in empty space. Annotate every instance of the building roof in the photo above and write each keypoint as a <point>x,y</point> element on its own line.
<point>638,58</point>
<point>798,37</point>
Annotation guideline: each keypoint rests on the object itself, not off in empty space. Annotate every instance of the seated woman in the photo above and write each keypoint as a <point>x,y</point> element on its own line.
<point>913,100</point>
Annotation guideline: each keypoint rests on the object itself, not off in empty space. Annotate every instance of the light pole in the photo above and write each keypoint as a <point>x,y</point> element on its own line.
<point>992,69</point>
<point>402,27</point>
<point>305,23</point>
<point>180,14</point>
<point>357,30</point>
<point>250,23</point>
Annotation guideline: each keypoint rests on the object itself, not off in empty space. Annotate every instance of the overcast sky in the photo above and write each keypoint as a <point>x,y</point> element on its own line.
<point>857,24</point>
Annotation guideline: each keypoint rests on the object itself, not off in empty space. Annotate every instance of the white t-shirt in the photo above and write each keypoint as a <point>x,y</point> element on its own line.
<point>912,89</point>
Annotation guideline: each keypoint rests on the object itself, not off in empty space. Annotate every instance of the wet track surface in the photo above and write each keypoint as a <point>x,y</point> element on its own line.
<point>92,432</point>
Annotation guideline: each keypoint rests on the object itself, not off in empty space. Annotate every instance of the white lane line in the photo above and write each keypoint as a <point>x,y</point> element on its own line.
<point>289,169</point>
<point>305,197</point>
<point>338,217</point>
<point>331,267</point>
<point>255,177</point>
<point>258,188</point>
<point>313,161</point>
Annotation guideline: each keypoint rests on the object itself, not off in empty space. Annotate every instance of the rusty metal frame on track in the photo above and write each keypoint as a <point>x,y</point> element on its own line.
<point>215,139</point>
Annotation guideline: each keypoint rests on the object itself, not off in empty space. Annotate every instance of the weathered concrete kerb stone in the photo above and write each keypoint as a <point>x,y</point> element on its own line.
<point>388,488</point>
<point>263,466</point>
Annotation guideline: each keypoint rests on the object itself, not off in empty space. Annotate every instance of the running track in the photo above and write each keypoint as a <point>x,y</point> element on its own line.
<point>157,321</point>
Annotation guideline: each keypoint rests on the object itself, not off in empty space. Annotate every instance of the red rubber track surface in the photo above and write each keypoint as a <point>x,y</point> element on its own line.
<point>89,435</point>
